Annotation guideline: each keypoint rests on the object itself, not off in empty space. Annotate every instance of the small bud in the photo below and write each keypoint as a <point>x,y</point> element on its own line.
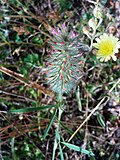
<point>97,13</point>
<point>21,116</point>
<point>112,29</point>
<point>92,23</point>
<point>85,30</point>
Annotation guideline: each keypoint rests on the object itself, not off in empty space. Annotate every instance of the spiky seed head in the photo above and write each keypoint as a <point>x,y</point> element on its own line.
<point>66,54</point>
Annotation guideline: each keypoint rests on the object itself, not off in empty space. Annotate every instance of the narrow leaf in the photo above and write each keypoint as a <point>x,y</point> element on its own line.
<point>100,120</point>
<point>77,148</point>
<point>61,152</point>
<point>31,109</point>
<point>50,123</point>
<point>54,148</point>
<point>57,135</point>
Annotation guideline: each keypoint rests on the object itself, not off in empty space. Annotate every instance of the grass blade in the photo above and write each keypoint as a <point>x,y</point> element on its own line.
<point>77,148</point>
<point>32,109</point>
<point>50,123</point>
<point>61,152</point>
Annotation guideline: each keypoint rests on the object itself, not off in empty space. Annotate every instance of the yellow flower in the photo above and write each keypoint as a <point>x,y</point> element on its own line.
<point>107,46</point>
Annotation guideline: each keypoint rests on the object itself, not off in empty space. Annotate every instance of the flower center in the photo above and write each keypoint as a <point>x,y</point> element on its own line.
<point>106,48</point>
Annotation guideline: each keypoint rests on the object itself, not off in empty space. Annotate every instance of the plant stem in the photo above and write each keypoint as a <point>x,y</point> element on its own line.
<point>60,111</point>
<point>94,33</point>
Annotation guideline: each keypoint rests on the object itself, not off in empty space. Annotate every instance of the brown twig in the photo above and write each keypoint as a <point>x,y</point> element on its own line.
<point>23,80</point>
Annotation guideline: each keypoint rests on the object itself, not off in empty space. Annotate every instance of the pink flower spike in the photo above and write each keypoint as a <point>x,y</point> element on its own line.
<point>72,35</point>
<point>54,31</point>
<point>63,26</point>
<point>58,31</point>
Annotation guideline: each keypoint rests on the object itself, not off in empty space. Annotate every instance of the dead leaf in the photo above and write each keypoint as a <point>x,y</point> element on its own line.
<point>21,30</point>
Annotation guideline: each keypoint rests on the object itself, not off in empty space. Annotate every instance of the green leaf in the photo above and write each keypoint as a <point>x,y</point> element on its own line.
<point>18,39</point>
<point>57,135</point>
<point>77,148</point>
<point>29,58</point>
<point>61,152</point>
<point>104,2</point>
<point>100,120</point>
<point>31,109</point>
<point>35,57</point>
<point>50,123</point>
<point>54,149</point>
